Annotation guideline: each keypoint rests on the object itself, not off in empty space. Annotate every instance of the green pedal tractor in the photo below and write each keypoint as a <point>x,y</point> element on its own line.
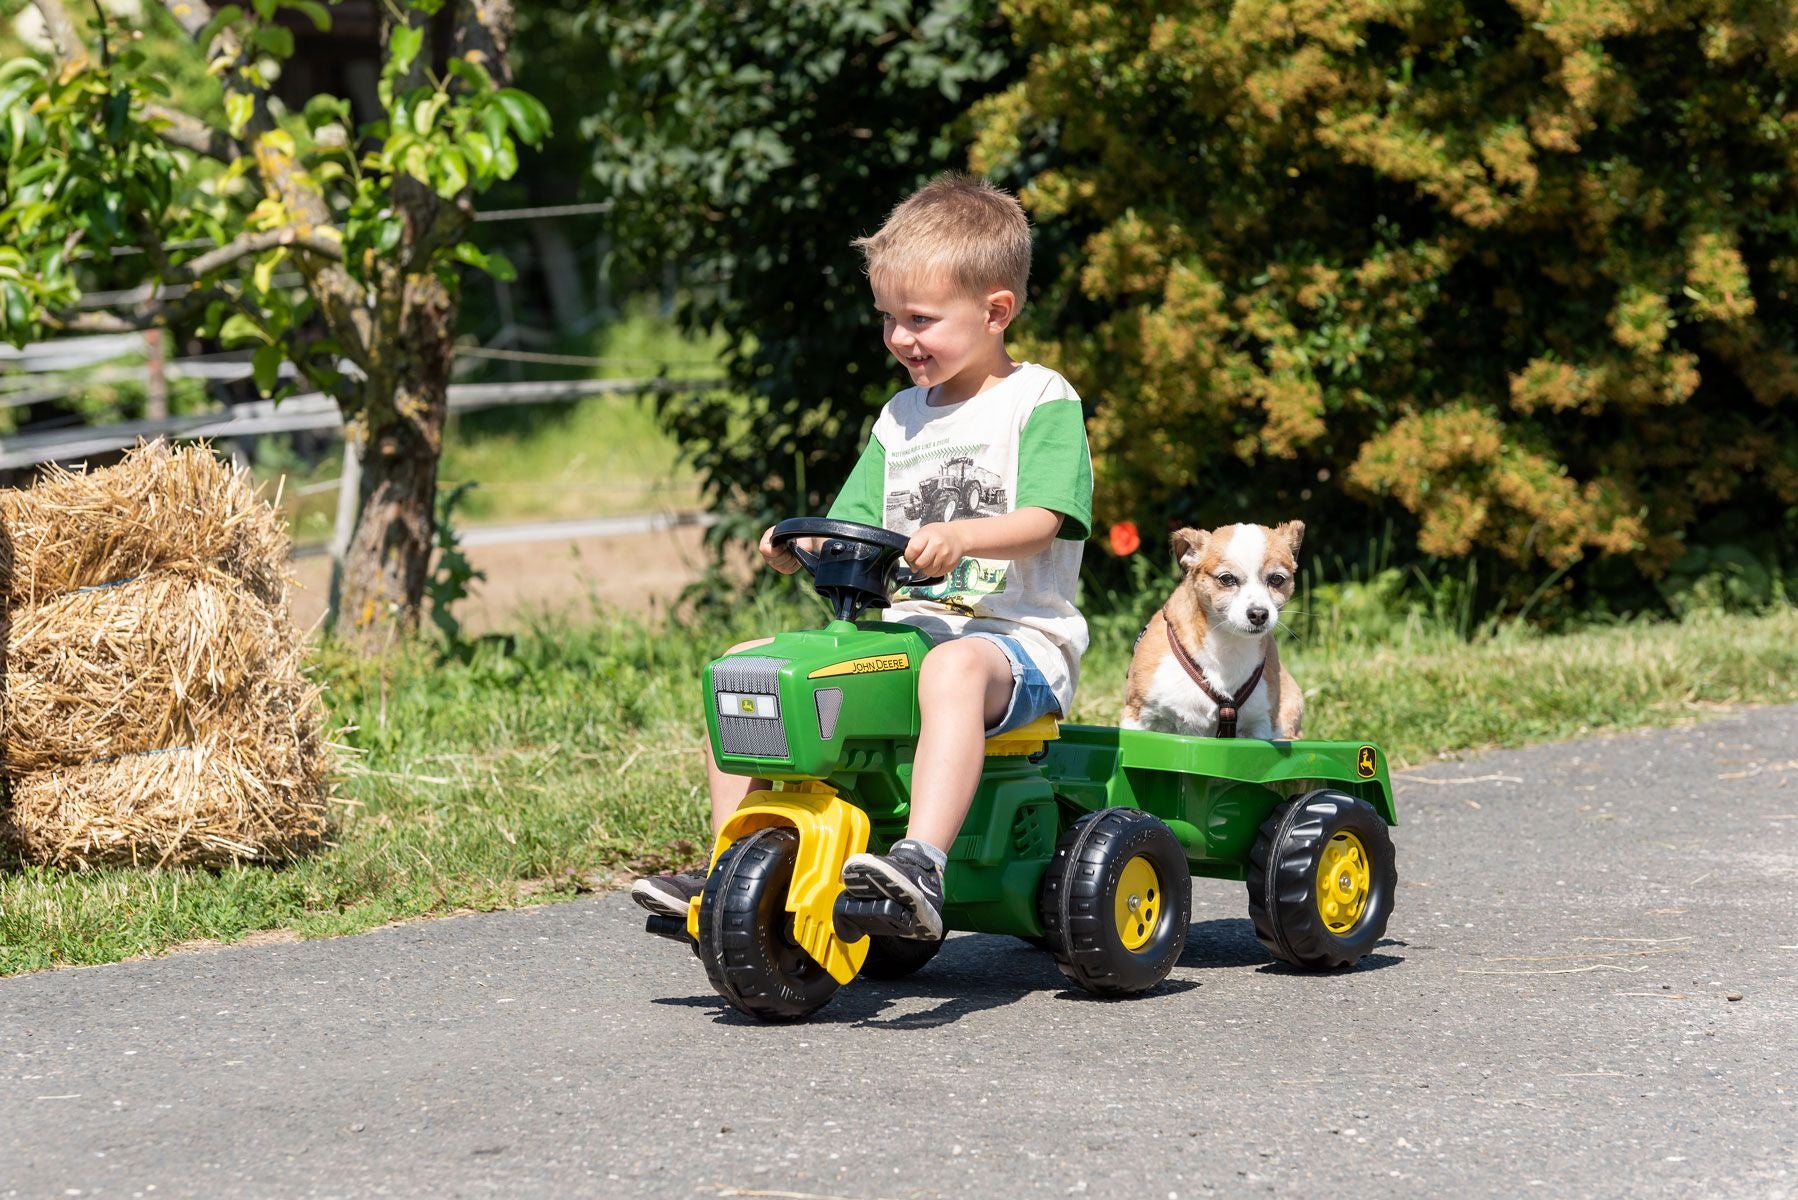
<point>1081,838</point>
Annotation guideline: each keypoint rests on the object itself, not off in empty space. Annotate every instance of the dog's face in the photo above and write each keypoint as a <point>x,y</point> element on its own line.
<point>1241,574</point>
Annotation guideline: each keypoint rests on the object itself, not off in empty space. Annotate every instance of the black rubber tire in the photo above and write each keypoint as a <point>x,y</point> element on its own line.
<point>1079,892</point>
<point>744,932</point>
<point>1283,880</point>
<point>896,957</point>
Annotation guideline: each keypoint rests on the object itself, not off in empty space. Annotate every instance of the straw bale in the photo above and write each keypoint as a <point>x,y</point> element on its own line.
<point>252,789</point>
<point>145,664</point>
<point>159,508</point>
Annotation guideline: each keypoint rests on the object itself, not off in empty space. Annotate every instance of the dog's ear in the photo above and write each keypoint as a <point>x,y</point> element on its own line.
<point>1189,544</point>
<point>1294,533</point>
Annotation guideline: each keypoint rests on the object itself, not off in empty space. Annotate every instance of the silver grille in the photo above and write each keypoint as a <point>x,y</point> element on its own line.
<point>752,737</point>
<point>830,703</point>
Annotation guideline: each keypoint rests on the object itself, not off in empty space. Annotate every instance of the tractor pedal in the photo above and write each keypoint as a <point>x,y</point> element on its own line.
<point>672,928</point>
<point>855,919</point>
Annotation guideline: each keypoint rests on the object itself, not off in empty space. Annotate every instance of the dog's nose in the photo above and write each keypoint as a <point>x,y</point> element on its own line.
<point>1257,615</point>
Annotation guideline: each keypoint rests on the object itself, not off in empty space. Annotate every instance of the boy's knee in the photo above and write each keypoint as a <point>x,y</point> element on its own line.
<point>961,662</point>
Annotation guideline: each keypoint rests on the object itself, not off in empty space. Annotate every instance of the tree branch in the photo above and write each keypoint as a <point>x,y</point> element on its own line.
<point>64,37</point>
<point>191,133</point>
<point>484,35</point>
<point>308,240</point>
<point>160,314</point>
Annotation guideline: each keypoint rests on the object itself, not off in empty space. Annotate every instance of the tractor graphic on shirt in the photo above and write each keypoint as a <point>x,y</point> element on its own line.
<point>960,489</point>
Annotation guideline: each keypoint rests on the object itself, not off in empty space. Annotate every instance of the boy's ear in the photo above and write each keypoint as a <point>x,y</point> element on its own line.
<point>1001,307</point>
<point>1189,545</point>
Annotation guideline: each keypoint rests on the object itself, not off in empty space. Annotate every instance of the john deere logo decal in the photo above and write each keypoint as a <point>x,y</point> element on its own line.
<point>1366,763</point>
<point>864,666</point>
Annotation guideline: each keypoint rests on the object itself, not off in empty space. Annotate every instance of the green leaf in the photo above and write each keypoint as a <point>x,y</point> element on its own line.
<point>264,9</point>
<point>403,46</point>
<point>320,15</point>
<point>451,171</point>
<point>266,368</point>
<point>263,274</point>
<point>220,19</point>
<point>526,114</point>
<point>472,73</point>
<point>387,234</point>
<point>424,117</point>
<point>479,152</point>
<point>16,309</point>
<point>239,108</point>
<point>495,264</point>
<point>276,39</point>
<point>239,330</point>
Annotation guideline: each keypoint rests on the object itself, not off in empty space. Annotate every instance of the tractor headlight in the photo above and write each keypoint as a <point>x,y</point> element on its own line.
<point>746,689</point>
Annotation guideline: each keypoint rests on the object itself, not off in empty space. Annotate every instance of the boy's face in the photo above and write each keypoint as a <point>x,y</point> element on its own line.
<point>942,335</point>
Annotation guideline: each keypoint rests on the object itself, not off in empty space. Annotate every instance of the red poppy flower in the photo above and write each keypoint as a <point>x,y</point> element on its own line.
<point>1124,538</point>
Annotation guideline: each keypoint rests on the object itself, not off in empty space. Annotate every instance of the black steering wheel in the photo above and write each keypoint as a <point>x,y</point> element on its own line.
<point>856,567</point>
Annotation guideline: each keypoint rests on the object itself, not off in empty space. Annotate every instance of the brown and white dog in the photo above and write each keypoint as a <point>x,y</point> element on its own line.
<point>1207,664</point>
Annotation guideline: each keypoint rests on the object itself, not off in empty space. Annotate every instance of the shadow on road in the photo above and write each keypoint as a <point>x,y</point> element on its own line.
<point>977,972</point>
<point>1232,943</point>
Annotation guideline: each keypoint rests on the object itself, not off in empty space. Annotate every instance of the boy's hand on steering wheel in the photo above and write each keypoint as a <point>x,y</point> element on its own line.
<point>782,559</point>
<point>936,549</point>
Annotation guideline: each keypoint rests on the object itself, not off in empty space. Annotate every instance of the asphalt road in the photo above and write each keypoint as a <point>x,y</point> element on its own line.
<point>1588,991</point>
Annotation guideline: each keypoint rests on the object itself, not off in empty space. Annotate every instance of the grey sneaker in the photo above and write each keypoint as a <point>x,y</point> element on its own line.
<point>906,877</point>
<point>668,895</point>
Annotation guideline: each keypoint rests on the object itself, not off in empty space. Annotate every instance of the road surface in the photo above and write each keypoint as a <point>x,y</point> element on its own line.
<point>1588,990</point>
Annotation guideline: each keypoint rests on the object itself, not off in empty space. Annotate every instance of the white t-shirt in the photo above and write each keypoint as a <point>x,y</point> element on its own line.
<point>1019,444</point>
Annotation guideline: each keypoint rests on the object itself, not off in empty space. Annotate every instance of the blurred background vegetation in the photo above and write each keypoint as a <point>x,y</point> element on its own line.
<point>1497,295</point>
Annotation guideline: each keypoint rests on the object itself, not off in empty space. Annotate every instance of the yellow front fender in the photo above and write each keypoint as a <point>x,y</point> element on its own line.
<point>830,830</point>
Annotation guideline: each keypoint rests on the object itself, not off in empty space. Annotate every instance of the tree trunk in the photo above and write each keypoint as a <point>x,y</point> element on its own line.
<point>389,559</point>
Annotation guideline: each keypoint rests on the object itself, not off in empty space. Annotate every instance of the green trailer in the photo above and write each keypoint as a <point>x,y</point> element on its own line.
<point>1080,838</point>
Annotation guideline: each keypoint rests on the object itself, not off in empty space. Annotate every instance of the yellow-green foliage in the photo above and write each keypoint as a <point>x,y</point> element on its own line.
<point>1524,270</point>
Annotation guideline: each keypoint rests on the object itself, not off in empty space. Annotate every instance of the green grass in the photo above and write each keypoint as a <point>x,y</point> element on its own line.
<point>520,778</point>
<point>602,456</point>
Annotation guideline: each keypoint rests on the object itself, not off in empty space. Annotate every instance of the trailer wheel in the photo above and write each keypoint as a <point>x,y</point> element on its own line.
<point>1116,901</point>
<point>896,957</point>
<point>745,932</point>
<point>1321,880</point>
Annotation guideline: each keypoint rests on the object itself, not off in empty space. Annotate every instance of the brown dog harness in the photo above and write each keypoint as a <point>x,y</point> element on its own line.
<point>1226,705</point>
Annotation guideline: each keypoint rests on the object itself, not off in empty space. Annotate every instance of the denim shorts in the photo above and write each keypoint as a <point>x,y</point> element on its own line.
<point>1031,695</point>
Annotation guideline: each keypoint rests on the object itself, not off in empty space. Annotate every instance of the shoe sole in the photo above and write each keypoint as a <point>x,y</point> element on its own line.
<point>866,878</point>
<point>657,901</point>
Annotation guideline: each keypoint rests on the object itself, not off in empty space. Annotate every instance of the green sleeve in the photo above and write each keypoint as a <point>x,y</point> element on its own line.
<point>861,498</point>
<point>1055,471</point>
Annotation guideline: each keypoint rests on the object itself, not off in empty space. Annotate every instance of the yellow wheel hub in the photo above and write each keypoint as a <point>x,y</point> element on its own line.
<point>1343,881</point>
<point>1139,903</point>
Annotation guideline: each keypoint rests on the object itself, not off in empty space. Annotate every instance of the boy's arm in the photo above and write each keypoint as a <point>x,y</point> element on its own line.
<point>935,549</point>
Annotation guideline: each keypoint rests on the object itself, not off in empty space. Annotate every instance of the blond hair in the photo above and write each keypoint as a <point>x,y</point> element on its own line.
<point>964,229</point>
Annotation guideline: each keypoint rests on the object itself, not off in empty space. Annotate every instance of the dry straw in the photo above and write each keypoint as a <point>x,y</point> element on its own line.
<point>153,708</point>
<point>158,509</point>
<point>139,666</point>
<point>251,789</point>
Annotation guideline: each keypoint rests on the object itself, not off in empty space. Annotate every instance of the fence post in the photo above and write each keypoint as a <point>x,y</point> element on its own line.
<point>349,505</point>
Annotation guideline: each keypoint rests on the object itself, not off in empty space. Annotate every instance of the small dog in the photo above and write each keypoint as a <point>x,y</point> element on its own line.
<point>1206,664</point>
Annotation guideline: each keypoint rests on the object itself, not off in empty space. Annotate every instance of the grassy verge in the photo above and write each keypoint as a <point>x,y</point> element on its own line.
<point>531,776</point>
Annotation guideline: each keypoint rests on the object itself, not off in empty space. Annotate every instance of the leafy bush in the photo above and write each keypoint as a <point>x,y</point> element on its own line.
<point>753,143</point>
<point>1519,275</point>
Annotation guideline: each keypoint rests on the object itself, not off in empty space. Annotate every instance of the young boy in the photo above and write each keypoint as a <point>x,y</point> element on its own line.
<point>983,462</point>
